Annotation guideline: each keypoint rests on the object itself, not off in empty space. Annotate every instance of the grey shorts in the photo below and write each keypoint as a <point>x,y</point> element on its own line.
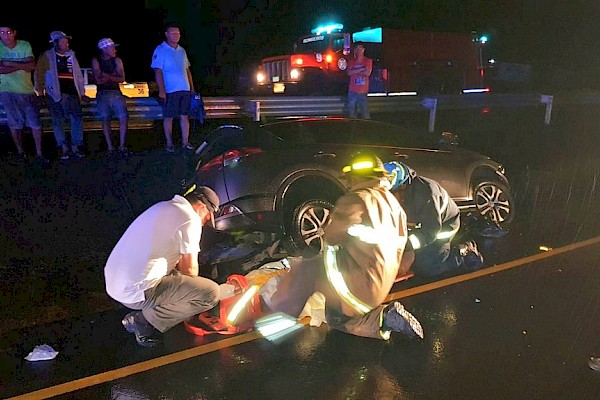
<point>177,103</point>
<point>111,102</point>
<point>21,110</point>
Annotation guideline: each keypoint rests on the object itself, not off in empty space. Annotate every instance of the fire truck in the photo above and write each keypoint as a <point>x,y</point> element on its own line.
<point>405,62</point>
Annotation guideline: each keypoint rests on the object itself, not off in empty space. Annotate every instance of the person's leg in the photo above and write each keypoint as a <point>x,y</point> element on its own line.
<point>76,115</point>
<point>363,106</point>
<point>169,111</point>
<point>14,119</point>
<point>178,297</point>
<point>37,139</point>
<point>185,102</point>
<point>295,287</point>
<point>184,124</point>
<point>58,120</point>
<point>103,107</point>
<point>352,104</point>
<point>31,110</point>
<point>119,109</point>
<point>434,259</point>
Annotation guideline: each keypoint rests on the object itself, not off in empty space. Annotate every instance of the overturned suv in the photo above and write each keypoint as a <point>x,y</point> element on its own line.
<point>281,179</point>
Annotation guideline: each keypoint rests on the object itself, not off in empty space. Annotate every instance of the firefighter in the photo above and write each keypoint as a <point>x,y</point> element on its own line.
<point>433,220</point>
<point>355,272</point>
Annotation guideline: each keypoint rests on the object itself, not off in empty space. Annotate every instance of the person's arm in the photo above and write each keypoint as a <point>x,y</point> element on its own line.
<point>39,75</point>
<point>188,264</point>
<point>369,67</point>
<point>160,82</point>
<point>9,66</point>
<point>190,80</point>
<point>348,211</point>
<point>428,217</point>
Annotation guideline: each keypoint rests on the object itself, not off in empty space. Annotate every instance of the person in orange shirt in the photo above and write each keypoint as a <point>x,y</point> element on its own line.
<point>359,70</point>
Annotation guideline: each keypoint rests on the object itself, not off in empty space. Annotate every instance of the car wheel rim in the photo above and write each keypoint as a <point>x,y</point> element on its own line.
<point>493,203</point>
<point>312,226</point>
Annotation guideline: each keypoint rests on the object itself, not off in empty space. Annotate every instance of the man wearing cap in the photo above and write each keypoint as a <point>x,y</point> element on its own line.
<point>109,73</point>
<point>153,269</point>
<point>365,241</point>
<point>58,76</point>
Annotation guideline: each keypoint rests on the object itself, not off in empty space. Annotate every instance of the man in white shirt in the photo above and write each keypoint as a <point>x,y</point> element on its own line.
<point>153,269</point>
<point>175,86</point>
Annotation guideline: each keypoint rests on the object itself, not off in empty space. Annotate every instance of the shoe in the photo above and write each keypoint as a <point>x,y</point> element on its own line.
<point>64,156</point>
<point>145,334</point>
<point>594,363</point>
<point>170,149</point>
<point>22,157</point>
<point>78,154</point>
<point>397,319</point>
<point>123,151</point>
<point>42,161</point>
<point>472,260</point>
<point>187,146</point>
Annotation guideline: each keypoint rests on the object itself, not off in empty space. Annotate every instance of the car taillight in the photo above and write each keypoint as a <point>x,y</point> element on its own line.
<point>235,156</point>
<point>214,162</point>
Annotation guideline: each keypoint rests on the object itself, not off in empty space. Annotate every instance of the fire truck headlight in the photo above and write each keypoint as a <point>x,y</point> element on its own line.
<point>295,73</point>
<point>260,77</point>
<point>342,64</point>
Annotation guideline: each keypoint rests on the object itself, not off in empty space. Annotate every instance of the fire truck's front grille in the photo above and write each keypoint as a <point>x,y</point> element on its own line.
<point>280,70</point>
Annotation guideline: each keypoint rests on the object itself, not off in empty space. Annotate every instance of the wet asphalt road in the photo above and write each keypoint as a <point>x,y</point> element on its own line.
<point>521,333</point>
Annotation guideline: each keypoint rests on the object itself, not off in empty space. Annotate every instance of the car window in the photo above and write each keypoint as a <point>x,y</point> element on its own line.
<point>341,131</point>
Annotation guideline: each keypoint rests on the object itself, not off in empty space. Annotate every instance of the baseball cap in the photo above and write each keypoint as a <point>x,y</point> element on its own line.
<point>208,197</point>
<point>55,35</point>
<point>106,42</point>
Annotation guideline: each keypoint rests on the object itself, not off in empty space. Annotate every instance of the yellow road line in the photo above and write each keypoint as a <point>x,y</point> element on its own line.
<point>123,372</point>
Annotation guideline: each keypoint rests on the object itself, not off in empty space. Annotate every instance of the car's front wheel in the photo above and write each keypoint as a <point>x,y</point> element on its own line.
<point>494,202</point>
<point>310,218</point>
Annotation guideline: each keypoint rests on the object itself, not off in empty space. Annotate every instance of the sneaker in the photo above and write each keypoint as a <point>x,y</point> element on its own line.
<point>145,334</point>
<point>472,260</point>
<point>594,363</point>
<point>123,151</point>
<point>22,157</point>
<point>64,155</point>
<point>170,149</point>
<point>42,161</point>
<point>78,154</point>
<point>187,146</point>
<point>397,319</point>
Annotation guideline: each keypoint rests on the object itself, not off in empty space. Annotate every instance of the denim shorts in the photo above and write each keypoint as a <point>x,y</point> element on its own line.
<point>178,103</point>
<point>111,102</point>
<point>21,110</point>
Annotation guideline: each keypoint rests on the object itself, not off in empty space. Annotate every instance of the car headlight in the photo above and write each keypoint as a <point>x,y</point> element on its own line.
<point>294,73</point>
<point>260,77</point>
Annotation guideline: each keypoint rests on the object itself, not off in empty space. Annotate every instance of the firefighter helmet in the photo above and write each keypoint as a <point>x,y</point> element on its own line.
<point>398,173</point>
<point>365,165</point>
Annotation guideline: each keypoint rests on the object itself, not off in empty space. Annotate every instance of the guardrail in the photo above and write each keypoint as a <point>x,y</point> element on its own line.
<point>145,111</point>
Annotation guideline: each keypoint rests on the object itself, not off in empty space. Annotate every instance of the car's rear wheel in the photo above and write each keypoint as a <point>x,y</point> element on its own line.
<point>494,202</point>
<point>307,226</point>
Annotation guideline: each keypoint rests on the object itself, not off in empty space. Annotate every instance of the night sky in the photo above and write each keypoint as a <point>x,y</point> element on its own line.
<point>224,38</point>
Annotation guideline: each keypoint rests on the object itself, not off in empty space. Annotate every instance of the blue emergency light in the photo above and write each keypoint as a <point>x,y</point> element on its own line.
<point>327,28</point>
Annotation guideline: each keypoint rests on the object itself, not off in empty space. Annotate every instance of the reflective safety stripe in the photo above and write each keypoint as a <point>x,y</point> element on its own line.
<point>445,201</point>
<point>447,234</point>
<point>370,235</point>
<point>337,281</point>
<point>414,240</point>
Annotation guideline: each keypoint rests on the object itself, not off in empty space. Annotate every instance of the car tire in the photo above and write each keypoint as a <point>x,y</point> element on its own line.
<point>308,222</point>
<point>494,202</point>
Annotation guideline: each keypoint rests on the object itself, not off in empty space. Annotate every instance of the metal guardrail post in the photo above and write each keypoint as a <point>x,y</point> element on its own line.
<point>431,104</point>
<point>547,100</point>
